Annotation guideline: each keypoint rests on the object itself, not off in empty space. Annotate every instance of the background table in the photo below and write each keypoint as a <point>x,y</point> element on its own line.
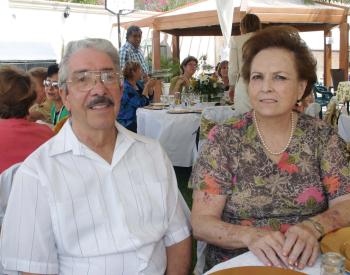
<point>175,132</point>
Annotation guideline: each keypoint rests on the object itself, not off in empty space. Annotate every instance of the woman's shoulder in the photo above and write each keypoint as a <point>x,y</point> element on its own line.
<point>315,124</point>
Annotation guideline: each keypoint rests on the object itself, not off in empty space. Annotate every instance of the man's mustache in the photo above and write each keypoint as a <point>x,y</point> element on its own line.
<point>100,100</point>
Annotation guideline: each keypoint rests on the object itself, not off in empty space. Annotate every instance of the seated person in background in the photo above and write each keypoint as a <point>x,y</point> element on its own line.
<point>222,72</point>
<point>41,109</point>
<point>58,110</point>
<point>188,67</point>
<point>19,137</point>
<point>274,181</point>
<point>92,200</point>
<point>135,94</point>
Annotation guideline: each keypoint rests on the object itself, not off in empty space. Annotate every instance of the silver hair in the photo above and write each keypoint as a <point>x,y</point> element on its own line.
<point>72,47</point>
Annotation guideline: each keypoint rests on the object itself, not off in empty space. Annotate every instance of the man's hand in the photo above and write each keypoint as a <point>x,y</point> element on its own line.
<point>301,246</point>
<point>267,246</point>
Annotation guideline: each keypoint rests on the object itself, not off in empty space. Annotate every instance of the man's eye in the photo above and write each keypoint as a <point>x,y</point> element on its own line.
<point>81,78</point>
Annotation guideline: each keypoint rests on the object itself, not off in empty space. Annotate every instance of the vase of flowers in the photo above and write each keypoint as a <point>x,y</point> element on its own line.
<point>207,85</point>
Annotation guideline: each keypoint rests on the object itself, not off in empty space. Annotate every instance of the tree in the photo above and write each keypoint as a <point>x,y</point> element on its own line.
<point>165,5</point>
<point>329,1</point>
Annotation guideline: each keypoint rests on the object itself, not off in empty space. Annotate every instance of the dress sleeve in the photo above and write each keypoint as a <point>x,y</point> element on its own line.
<point>214,168</point>
<point>27,239</point>
<point>335,167</point>
<point>233,68</point>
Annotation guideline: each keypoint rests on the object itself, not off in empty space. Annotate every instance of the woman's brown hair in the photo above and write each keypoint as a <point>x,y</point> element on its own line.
<point>130,68</point>
<point>282,37</point>
<point>16,92</point>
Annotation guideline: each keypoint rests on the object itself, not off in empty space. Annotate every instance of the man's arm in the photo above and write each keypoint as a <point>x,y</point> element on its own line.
<point>179,257</point>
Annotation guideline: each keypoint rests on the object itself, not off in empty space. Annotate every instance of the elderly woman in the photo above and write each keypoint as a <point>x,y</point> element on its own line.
<point>19,137</point>
<point>188,67</point>
<point>274,181</point>
<point>135,94</point>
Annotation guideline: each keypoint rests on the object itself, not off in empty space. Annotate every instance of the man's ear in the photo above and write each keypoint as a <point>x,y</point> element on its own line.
<point>64,96</point>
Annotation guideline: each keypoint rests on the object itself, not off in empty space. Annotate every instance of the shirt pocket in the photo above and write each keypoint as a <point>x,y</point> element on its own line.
<point>82,227</point>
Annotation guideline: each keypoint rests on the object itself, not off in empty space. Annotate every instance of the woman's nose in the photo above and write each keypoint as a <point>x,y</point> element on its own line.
<point>266,85</point>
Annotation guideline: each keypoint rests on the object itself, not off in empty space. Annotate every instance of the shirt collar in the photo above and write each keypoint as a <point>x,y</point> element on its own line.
<point>132,46</point>
<point>66,141</point>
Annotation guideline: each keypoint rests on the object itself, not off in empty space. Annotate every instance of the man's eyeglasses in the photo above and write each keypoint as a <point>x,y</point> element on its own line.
<point>49,84</point>
<point>85,81</point>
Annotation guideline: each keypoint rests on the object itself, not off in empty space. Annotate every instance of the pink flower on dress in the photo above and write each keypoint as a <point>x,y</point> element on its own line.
<point>212,133</point>
<point>332,183</point>
<point>239,124</point>
<point>308,193</point>
<point>211,186</point>
<point>285,165</point>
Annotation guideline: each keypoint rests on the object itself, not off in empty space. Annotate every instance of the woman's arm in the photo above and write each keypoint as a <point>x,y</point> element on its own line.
<point>208,226</point>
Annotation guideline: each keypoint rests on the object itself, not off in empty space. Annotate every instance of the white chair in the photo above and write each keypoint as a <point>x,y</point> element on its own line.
<point>313,110</point>
<point>6,178</point>
<point>344,127</point>
<point>212,116</point>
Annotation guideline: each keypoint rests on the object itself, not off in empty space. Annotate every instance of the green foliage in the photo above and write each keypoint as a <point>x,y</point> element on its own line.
<point>165,5</point>
<point>172,64</point>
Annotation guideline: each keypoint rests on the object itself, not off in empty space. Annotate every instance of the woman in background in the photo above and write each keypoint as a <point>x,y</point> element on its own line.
<point>41,109</point>
<point>249,24</point>
<point>188,67</point>
<point>222,72</point>
<point>19,137</point>
<point>135,94</point>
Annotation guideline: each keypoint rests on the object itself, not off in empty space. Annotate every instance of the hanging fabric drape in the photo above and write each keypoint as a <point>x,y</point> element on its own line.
<point>225,14</point>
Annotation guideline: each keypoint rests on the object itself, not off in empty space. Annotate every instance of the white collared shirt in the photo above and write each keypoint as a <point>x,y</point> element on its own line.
<point>71,212</point>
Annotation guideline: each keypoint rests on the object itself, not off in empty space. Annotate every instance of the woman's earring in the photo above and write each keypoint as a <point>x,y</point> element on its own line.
<point>299,103</point>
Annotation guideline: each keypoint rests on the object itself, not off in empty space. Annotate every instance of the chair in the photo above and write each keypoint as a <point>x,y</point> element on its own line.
<point>322,96</point>
<point>337,76</point>
<point>313,110</point>
<point>6,178</point>
<point>212,116</point>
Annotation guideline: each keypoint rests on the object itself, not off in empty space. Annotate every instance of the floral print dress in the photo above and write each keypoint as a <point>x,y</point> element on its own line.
<point>312,171</point>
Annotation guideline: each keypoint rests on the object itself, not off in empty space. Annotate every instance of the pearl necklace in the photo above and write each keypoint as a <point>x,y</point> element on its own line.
<point>263,142</point>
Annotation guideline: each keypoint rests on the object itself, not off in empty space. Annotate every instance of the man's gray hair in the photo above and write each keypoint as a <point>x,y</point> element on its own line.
<point>72,47</point>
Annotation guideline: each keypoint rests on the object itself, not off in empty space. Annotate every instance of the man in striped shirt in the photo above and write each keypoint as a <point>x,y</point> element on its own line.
<point>96,198</point>
<point>131,49</point>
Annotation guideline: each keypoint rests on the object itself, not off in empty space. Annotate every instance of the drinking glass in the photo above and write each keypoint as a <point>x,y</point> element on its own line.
<point>171,101</point>
<point>204,98</point>
<point>332,264</point>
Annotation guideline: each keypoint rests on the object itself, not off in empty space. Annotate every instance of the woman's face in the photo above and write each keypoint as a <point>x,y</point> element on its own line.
<point>137,74</point>
<point>274,87</point>
<point>224,70</point>
<point>190,68</point>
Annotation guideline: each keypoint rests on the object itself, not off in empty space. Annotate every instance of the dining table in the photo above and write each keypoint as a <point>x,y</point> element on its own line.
<point>176,131</point>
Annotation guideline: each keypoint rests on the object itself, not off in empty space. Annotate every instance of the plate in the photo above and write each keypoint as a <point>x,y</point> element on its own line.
<point>261,270</point>
<point>149,107</point>
<point>159,104</point>
<point>183,111</point>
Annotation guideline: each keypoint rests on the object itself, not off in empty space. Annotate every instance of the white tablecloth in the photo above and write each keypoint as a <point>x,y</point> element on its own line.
<point>175,132</point>
<point>344,127</point>
<point>249,259</point>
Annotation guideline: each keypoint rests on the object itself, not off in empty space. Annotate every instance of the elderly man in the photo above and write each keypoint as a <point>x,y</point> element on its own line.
<point>131,49</point>
<point>97,198</point>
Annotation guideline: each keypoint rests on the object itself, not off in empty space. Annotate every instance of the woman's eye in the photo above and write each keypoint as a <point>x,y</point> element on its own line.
<point>255,77</point>
<point>280,77</point>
